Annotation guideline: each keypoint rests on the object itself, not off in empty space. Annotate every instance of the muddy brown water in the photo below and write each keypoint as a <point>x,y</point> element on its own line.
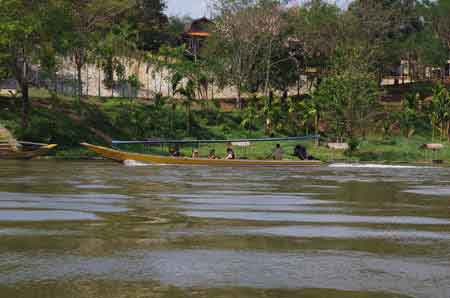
<point>101,229</point>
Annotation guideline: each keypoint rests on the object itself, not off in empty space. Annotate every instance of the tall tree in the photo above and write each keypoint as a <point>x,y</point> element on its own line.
<point>316,27</point>
<point>243,40</point>
<point>441,21</point>
<point>112,51</point>
<point>380,28</point>
<point>147,18</point>
<point>27,42</point>
<point>185,76</point>
<point>349,94</point>
<point>89,18</point>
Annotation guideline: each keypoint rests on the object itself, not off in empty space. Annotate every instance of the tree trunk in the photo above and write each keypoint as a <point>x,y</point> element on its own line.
<point>172,117</point>
<point>268,69</point>
<point>99,83</point>
<point>188,119</point>
<point>79,82</point>
<point>21,75</point>
<point>448,130</point>
<point>316,128</point>
<point>87,80</point>
<point>269,107</point>
<point>284,100</point>
<point>25,104</point>
<point>239,98</point>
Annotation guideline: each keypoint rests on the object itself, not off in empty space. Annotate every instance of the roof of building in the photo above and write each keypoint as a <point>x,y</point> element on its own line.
<point>199,27</point>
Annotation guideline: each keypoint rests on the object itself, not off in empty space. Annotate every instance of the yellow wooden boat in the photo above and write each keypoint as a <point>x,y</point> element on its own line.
<point>10,148</point>
<point>122,156</point>
<point>27,151</point>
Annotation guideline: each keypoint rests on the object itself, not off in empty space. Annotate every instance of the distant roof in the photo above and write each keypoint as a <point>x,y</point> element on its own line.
<point>199,27</point>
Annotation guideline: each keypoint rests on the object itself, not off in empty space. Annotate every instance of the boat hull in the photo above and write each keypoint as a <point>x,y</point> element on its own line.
<point>43,150</point>
<point>121,156</point>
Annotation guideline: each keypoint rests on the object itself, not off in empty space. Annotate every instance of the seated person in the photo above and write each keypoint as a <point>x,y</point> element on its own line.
<point>230,154</point>
<point>195,153</point>
<point>175,151</point>
<point>300,152</point>
<point>277,153</point>
<point>212,154</point>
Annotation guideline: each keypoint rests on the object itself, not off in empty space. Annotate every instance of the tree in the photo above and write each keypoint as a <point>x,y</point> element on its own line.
<point>436,15</point>
<point>440,11</point>
<point>89,18</point>
<point>243,40</point>
<point>317,28</point>
<point>380,28</point>
<point>26,42</point>
<point>117,45</point>
<point>408,116</point>
<point>347,97</point>
<point>186,77</point>
<point>147,18</point>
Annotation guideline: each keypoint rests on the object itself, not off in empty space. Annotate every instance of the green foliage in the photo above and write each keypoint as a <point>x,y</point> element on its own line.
<point>317,23</point>
<point>346,99</point>
<point>440,110</point>
<point>188,78</point>
<point>109,52</point>
<point>147,18</point>
<point>408,117</point>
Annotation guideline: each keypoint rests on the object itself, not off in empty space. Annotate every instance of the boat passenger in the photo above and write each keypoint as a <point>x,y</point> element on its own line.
<point>175,151</point>
<point>277,152</point>
<point>230,154</point>
<point>195,153</point>
<point>301,153</point>
<point>212,154</point>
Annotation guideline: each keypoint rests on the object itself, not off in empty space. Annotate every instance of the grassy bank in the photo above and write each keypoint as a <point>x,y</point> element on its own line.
<point>66,122</point>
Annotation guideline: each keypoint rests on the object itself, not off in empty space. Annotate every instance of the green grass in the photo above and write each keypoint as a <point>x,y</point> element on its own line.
<point>400,149</point>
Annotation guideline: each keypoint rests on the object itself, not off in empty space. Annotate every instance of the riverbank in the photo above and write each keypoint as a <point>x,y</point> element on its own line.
<point>64,121</point>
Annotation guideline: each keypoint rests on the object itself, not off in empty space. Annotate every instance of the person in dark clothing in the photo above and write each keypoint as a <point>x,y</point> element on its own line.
<point>212,154</point>
<point>301,153</point>
<point>230,153</point>
<point>175,151</point>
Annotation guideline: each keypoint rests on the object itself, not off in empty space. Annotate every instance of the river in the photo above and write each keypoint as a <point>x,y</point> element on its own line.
<point>101,229</point>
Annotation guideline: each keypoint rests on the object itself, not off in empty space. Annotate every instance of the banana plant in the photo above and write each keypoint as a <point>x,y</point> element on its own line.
<point>440,111</point>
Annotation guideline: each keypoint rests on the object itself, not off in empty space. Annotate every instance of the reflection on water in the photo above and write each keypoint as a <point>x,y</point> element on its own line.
<point>375,166</point>
<point>359,231</point>
<point>39,215</point>
<point>212,268</point>
<point>430,190</point>
<point>344,232</point>
<point>318,218</point>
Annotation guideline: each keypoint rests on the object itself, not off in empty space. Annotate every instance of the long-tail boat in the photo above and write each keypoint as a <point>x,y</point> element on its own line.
<point>10,148</point>
<point>122,156</point>
<point>26,150</point>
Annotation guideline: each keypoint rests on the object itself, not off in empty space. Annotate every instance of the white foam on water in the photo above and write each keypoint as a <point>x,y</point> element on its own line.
<point>375,166</point>
<point>443,191</point>
<point>135,163</point>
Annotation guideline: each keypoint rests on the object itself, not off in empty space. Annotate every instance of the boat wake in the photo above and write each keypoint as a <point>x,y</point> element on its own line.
<point>374,166</point>
<point>134,163</point>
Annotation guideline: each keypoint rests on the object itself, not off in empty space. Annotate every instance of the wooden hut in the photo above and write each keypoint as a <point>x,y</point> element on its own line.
<point>195,34</point>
